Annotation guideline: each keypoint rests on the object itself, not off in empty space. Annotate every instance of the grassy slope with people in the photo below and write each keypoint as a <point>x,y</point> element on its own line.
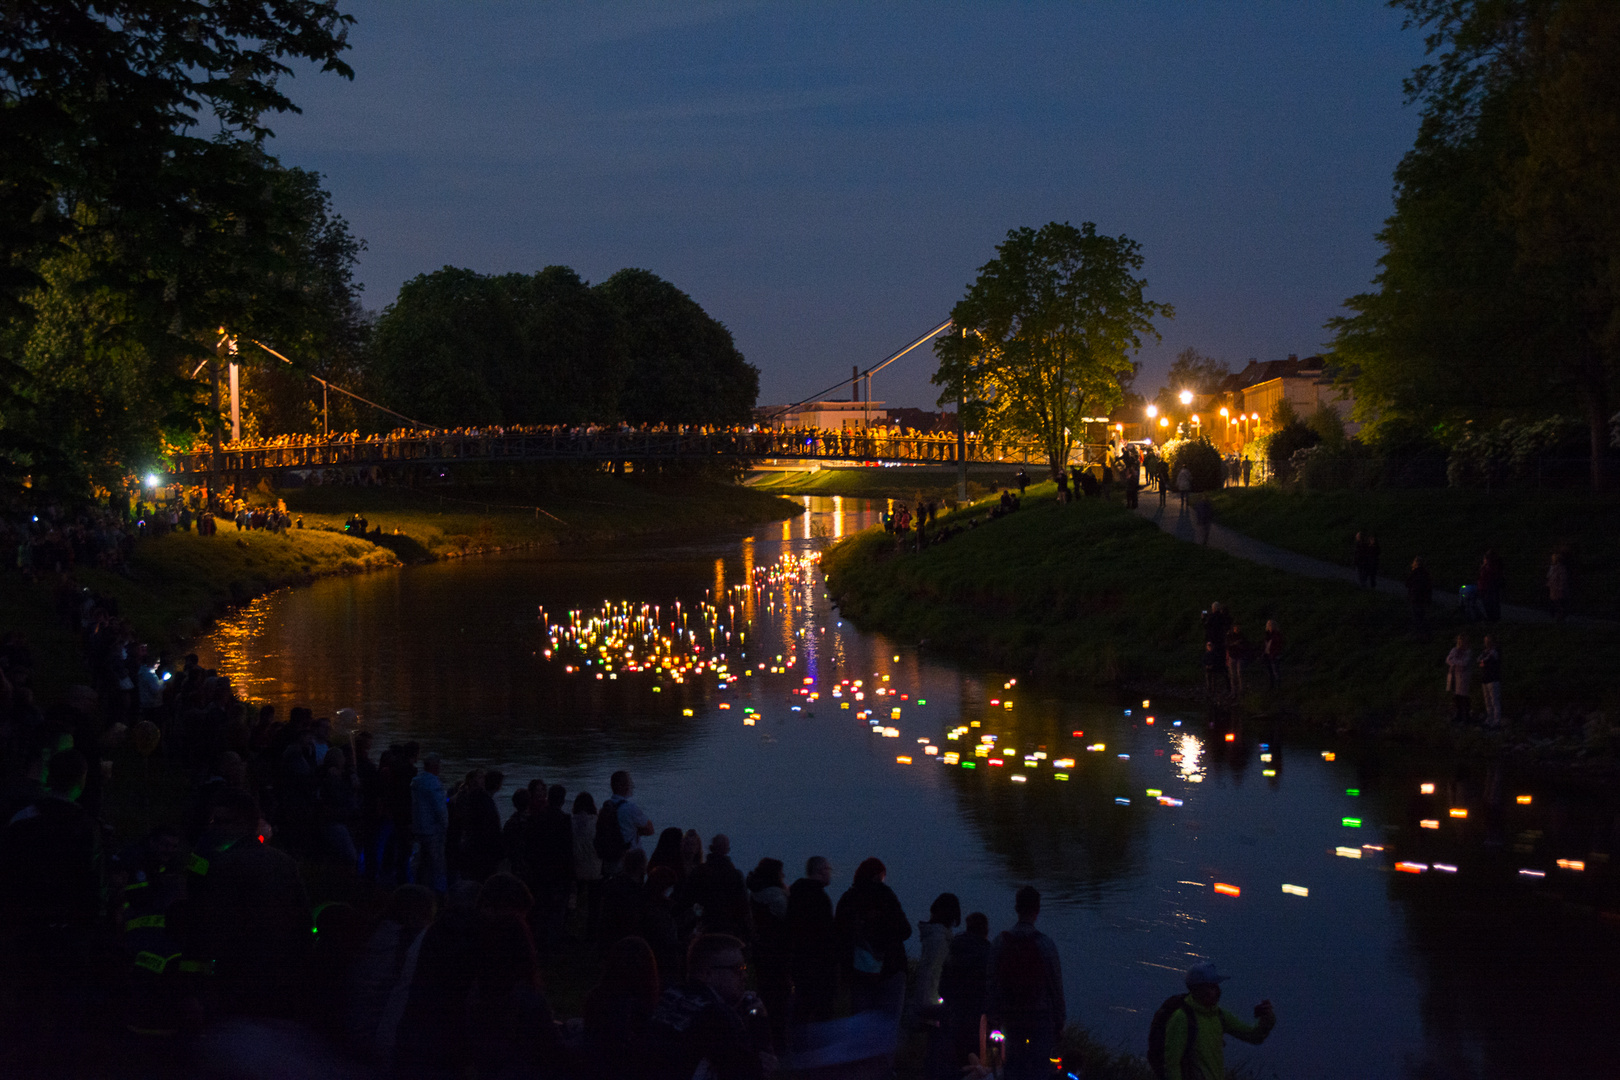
<point>1090,592</point>
<point>1450,528</point>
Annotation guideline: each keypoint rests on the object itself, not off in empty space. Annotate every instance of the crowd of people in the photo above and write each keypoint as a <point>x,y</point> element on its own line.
<point>198,941</point>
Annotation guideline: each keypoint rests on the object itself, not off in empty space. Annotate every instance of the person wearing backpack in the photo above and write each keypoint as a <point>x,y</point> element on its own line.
<point>1188,1035</point>
<point>1025,997</point>
<point>620,824</point>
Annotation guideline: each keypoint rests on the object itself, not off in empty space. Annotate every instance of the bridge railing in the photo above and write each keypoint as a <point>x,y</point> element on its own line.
<point>563,445</point>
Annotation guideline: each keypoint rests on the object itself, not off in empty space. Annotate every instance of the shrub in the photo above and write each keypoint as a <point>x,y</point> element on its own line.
<point>1199,457</point>
<point>1519,452</point>
<point>1409,455</point>
<point>1284,443</point>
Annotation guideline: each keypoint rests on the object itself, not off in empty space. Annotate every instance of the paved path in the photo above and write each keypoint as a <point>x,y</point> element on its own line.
<point>1179,523</point>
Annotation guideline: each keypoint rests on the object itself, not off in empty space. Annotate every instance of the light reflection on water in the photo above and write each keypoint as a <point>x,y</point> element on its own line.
<point>1404,971</point>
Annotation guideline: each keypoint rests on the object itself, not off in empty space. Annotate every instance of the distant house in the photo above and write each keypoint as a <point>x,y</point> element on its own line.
<point>1305,384</point>
<point>823,415</point>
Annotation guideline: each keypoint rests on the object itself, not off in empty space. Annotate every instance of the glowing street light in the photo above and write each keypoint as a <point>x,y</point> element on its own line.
<point>1164,421</point>
<point>152,480</point>
<point>1186,397</point>
<point>1152,411</point>
<point>1224,411</point>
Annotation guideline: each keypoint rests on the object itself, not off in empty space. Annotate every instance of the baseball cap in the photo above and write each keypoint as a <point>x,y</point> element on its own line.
<point>1204,974</point>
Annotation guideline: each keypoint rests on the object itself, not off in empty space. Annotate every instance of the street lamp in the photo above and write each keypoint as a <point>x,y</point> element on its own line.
<point>1152,411</point>
<point>1186,397</point>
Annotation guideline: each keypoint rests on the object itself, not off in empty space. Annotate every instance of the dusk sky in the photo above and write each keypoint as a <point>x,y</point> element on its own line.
<point>826,178</point>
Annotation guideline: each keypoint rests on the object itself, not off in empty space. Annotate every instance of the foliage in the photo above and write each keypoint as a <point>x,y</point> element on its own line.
<point>1044,334</point>
<point>1284,442</point>
<point>684,367</point>
<point>114,210</point>
<point>1199,457</point>
<point>1501,250</point>
<point>1516,452</point>
<point>460,348</point>
<point>1193,371</point>
<point>1409,454</point>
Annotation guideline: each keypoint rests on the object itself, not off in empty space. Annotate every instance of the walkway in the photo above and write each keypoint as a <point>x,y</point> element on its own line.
<point>1179,523</point>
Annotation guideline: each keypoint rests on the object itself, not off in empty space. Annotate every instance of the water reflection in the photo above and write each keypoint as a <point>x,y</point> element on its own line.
<point>1126,818</point>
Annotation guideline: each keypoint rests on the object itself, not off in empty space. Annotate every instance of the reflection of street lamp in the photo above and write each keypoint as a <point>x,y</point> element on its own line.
<point>1186,397</point>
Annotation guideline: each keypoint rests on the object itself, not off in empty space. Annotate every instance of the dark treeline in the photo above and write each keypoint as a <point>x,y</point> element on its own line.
<point>459,348</point>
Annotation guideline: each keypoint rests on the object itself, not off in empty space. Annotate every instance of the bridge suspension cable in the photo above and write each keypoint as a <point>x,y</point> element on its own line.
<point>334,386</point>
<point>867,374</point>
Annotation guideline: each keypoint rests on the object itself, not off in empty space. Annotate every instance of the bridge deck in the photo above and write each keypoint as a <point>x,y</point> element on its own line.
<point>448,448</point>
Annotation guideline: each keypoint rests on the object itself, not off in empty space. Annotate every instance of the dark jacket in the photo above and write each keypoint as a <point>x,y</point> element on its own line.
<point>481,847</point>
<point>869,916</point>
<point>966,977</point>
<point>812,935</point>
<point>717,887</point>
<point>1026,980</point>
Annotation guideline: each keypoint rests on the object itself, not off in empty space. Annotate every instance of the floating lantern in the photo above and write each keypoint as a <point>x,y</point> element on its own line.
<point>1411,867</point>
<point>1571,864</point>
<point>1429,823</point>
<point>1425,789</point>
<point>1458,812</point>
<point>1296,890</point>
<point>1227,890</point>
<point>1524,800</point>
<point>1352,823</point>
<point>1347,852</point>
<point>904,759</point>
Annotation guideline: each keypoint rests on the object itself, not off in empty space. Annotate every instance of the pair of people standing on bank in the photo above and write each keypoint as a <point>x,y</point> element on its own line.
<point>1461,667</point>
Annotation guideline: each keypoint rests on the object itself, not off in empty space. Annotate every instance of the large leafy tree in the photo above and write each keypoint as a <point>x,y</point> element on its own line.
<point>460,348</point>
<point>1499,289</point>
<point>1044,335</point>
<point>682,365</point>
<point>134,190</point>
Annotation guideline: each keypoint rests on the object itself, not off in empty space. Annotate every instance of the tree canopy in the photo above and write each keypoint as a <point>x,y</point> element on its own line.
<point>462,348</point>
<point>1499,290</point>
<point>1044,335</point>
<point>128,237</point>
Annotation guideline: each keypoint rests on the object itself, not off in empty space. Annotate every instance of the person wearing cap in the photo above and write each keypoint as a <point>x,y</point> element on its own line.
<point>1206,1058</point>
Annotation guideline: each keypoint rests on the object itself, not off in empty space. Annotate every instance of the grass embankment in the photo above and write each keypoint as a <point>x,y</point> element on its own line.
<point>909,482</point>
<point>435,522</point>
<point>1450,528</point>
<point>1092,593</point>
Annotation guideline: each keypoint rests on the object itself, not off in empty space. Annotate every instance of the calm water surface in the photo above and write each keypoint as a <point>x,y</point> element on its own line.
<point>1375,970</point>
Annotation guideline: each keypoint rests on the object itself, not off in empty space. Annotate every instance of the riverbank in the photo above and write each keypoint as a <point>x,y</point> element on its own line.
<point>1090,593</point>
<point>174,585</point>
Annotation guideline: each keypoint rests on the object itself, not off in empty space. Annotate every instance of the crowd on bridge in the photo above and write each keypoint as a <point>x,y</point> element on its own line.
<point>604,441</point>
<point>194,947</point>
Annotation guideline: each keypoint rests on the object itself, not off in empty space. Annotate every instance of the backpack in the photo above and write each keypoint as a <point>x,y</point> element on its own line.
<point>609,843</point>
<point>1161,1020</point>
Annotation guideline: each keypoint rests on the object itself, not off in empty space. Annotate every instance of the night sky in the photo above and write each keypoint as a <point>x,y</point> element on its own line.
<point>826,178</point>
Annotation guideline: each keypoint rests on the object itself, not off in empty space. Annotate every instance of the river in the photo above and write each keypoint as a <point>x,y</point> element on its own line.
<point>1406,911</point>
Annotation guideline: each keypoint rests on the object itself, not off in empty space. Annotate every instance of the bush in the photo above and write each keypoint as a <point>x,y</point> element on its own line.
<point>1199,457</point>
<point>1556,449</point>
<point>1331,467</point>
<point>1409,455</point>
<point>1284,443</point>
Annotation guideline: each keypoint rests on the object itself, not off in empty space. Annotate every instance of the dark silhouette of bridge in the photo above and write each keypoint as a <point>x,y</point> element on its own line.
<point>439,448</point>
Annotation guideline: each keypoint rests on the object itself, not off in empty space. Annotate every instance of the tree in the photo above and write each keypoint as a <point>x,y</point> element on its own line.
<point>1045,332</point>
<point>1194,371</point>
<point>1498,293</point>
<point>112,208</point>
<point>460,348</point>
<point>683,366</point>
